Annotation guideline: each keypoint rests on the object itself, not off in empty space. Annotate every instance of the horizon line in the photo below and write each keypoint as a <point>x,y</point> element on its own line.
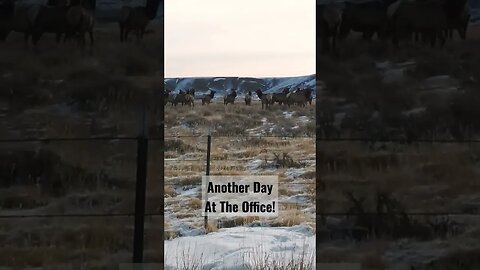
<point>261,77</point>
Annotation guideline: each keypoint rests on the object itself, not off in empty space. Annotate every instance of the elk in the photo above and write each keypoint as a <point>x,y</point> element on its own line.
<point>136,19</point>
<point>208,98</point>
<point>265,98</point>
<point>230,98</point>
<point>82,19</point>
<point>281,98</point>
<point>63,18</point>
<point>248,98</point>
<point>299,97</point>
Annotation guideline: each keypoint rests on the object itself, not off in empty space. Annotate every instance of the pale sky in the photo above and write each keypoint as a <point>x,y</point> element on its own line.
<point>255,38</point>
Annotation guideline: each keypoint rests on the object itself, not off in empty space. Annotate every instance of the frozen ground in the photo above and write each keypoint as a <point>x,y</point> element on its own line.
<point>236,248</point>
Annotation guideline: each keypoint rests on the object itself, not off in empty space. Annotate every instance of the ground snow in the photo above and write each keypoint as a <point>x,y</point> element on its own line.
<point>304,119</point>
<point>233,248</point>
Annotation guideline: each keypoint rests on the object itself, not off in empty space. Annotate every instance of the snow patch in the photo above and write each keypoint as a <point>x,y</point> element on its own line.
<point>234,248</point>
<point>304,119</point>
<point>293,173</point>
<point>288,115</point>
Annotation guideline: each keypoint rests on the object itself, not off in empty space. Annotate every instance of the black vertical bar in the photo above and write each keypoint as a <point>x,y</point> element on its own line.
<point>161,51</point>
<point>317,137</point>
<point>142,154</point>
<point>209,147</point>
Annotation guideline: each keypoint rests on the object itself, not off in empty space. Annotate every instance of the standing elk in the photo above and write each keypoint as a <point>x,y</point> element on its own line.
<point>329,19</point>
<point>184,98</point>
<point>136,19</point>
<point>230,98</point>
<point>63,19</point>
<point>458,19</point>
<point>280,98</point>
<point>369,18</point>
<point>14,19</point>
<point>308,93</point>
<point>299,97</point>
<point>266,99</point>
<point>46,19</point>
<point>82,19</point>
<point>208,98</point>
<point>248,98</point>
<point>432,19</point>
<point>167,97</point>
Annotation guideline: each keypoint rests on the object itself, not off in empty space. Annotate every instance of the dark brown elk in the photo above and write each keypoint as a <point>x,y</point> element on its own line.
<point>179,98</point>
<point>248,98</point>
<point>137,19</point>
<point>329,19</point>
<point>170,98</point>
<point>82,20</point>
<point>50,20</point>
<point>230,98</point>
<point>431,19</point>
<point>458,18</point>
<point>299,97</point>
<point>68,20</point>
<point>184,98</point>
<point>14,19</point>
<point>280,98</point>
<point>266,99</point>
<point>190,100</point>
<point>308,94</point>
<point>208,98</point>
<point>369,18</point>
<point>166,96</point>
<point>191,92</point>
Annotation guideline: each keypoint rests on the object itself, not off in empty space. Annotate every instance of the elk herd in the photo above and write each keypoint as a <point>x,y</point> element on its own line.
<point>396,20</point>
<point>298,97</point>
<point>69,19</point>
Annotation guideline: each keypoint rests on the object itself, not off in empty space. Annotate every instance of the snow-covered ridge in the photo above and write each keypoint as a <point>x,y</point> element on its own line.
<point>243,84</point>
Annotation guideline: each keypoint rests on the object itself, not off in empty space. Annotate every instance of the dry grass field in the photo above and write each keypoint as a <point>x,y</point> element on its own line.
<point>63,91</point>
<point>245,140</point>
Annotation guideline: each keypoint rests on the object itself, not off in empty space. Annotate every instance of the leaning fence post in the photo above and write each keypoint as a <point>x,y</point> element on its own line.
<point>142,153</point>
<point>209,148</point>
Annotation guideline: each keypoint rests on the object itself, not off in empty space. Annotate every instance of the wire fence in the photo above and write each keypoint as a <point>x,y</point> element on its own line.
<point>58,170</point>
<point>309,185</point>
<point>319,139</point>
<point>131,214</point>
<point>314,184</point>
<point>167,161</point>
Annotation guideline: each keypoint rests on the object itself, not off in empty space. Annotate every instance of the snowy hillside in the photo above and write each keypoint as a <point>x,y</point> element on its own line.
<point>223,85</point>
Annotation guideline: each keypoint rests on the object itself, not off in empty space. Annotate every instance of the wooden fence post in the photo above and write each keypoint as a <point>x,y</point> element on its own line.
<point>140,190</point>
<point>209,148</point>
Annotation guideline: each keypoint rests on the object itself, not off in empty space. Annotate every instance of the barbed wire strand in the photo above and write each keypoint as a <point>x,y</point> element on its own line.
<point>117,138</point>
<point>162,214</point>
<point>154,138</point>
